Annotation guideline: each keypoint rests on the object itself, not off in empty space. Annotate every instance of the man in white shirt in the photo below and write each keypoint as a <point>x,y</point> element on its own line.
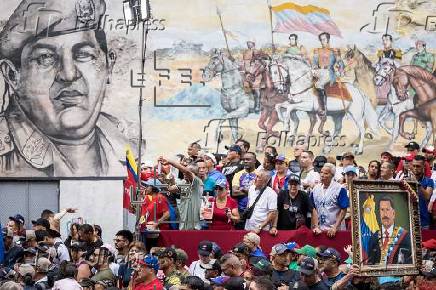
<point>265,210</point>
<point>330,200</point>
<point>198,268</point>
<point>309,177</point>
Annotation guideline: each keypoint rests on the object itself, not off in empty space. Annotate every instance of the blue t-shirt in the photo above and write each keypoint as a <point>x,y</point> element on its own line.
<point>423,204</point>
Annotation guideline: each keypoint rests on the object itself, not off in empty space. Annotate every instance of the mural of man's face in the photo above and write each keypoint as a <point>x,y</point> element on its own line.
<point>324,40</point>
<point>62,83</point>
<point>387,213</point>
<point>387,43</point>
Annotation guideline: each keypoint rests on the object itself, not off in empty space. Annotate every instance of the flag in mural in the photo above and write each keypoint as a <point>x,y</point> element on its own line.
<point>369,224</point>
<point>292,17</point>
<point>132,177</point>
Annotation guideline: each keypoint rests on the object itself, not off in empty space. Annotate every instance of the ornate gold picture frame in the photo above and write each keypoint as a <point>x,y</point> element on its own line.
<point>386,231</point>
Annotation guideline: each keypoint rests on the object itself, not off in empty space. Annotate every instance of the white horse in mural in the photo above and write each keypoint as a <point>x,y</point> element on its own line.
<point>359,109</point>
<point>233,98</point>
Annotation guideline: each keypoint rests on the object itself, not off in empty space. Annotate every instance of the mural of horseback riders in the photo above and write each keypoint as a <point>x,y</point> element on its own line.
<point>283,85</point>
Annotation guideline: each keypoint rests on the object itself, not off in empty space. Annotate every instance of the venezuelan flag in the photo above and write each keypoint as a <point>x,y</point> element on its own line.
<point>292,17</point>
<point>132,168</point>
<point>132,177</point>
<point>369,225</point>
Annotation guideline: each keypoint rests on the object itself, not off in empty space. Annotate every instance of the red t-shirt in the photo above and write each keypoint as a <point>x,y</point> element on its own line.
<point>153,285</point>
<point>220,221</point>
<point>158,204</point>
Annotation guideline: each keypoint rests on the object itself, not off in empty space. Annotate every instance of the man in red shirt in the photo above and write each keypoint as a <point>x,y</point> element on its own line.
<point>145,277</point>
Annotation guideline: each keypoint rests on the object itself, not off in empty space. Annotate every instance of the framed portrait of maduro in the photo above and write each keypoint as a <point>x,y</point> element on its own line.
<point>386,232</point>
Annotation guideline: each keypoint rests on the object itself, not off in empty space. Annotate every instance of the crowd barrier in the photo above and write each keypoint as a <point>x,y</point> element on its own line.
<point>188,240</point>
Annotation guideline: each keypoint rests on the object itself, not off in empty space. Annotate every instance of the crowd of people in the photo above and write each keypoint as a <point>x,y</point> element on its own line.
<point>262,194</point>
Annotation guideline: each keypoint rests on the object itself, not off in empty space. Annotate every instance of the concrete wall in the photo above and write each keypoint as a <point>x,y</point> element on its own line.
<point>98,202</point>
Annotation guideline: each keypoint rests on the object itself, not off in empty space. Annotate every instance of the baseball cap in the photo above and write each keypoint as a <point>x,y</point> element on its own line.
<point>150,261</point>
<point>348,154</point>
<point>428,149</point>
<point>430,244</point>
<point>205,248</point>
<point>42,222</point>
<point>351,169</point>
<point>235,148</point>
<point>211,156</point>
<point>42,265</point>
<point>308,266</point>
<point>294,178</point>
<point>292,246</point>
<point>31,251</point>
<point>330,253</point>
<point>221,182</point>
<point>409,157</point>
<point>17,218</point>
<point>168,253</point>
<point>412,145</point>
<point>279,249</point>
<point>281,158</point>
<point>241,248</point>
<point>307,250</point>
<point>262,267</point>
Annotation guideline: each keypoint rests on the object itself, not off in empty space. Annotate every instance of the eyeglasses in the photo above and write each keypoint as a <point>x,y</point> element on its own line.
<point>118,240</point>
<point>219,188</point>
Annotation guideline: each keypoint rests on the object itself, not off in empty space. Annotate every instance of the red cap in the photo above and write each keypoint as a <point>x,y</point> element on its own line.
<point>430,244</point>
<point>409,157</point>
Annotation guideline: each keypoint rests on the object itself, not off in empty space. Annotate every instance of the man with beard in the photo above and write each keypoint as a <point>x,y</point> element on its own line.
<point>57,70</point>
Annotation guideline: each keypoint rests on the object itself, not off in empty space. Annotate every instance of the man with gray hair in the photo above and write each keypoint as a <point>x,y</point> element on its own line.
<point>262,199</point>
<point>330,202</point>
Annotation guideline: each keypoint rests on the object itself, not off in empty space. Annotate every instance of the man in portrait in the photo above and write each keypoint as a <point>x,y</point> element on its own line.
<point>56,66</point>
<point>391,244</point>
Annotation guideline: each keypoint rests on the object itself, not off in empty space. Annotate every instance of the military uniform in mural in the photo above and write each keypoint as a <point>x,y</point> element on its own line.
<point>330,59</point>
<point>51,122</point>
<point>423,58</point>
<point>253,87</point>
<point>388,51</point>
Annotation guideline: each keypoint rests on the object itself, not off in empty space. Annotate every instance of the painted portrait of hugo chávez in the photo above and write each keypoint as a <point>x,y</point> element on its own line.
<point>386,227</point>
<point>56,66</point>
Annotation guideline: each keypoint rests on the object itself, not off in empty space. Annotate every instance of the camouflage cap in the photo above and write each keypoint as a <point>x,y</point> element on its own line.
<point>46,18</point>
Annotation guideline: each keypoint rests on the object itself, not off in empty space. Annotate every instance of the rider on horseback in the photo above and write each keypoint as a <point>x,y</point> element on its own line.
<point>248,57</point>
<point>329,59</point>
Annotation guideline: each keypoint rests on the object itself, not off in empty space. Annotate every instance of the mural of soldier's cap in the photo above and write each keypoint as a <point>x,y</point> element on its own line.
<point>47,18</point>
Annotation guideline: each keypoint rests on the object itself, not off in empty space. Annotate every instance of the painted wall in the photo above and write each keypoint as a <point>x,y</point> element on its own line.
<point>69,100</point>
<point>98,202</point>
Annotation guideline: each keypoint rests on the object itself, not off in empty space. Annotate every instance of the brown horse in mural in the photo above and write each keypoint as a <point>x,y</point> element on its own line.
<point>269,95</point>
<point>424,84</point>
